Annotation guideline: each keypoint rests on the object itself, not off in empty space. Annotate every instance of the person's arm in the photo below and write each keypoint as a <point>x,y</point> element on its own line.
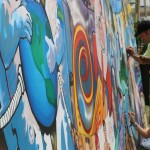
<point>139,58</point>
<point>143,132</point>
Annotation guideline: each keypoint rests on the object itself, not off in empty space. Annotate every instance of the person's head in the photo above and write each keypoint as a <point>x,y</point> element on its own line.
<point>143,30</point>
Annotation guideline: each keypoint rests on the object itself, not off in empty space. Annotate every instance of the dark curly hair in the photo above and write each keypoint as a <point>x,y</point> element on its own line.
<point>142,26</point>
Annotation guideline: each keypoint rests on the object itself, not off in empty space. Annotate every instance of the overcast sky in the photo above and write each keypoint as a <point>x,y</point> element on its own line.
<point>147,2</point>
<point>142,2</point>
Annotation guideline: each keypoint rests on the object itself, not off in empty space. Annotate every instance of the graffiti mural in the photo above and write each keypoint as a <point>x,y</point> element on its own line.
<point>66,81</point>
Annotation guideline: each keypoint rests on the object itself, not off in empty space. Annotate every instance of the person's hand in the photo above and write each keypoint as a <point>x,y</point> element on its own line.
<point>132,117</point>
<point>130,50</point>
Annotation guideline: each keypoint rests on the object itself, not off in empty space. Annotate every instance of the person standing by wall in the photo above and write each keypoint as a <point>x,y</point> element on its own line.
<point>143,32</point>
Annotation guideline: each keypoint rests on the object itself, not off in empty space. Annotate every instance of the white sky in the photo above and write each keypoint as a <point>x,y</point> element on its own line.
<point>142,2</point>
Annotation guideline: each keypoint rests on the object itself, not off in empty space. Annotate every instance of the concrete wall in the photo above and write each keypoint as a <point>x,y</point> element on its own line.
<point>65,79</point>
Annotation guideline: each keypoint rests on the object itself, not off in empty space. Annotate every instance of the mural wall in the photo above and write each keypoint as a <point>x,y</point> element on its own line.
<point>66,81</point>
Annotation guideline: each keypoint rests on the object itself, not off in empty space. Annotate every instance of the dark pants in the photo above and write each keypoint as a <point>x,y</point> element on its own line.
<point>146,82</point>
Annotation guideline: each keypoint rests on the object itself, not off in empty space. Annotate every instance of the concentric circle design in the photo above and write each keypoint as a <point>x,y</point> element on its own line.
<point>83,64</point>
<point>85,75</point>
<point>83,79</point>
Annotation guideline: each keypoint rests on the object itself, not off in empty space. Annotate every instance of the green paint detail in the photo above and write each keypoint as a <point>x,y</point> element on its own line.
<point>60,14</point>
<point>117,141</point>
<point>48,30</point>
<point>123,72</point>
<point>37,43</point>
<point>50,92</point>
<point>38,49</point>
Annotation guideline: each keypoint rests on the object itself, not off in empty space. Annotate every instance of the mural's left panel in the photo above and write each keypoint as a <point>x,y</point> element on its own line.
<point>28,88</point>
<point>66,81</point>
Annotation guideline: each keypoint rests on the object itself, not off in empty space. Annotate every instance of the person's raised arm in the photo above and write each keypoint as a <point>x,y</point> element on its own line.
<point>137,57</point>
<point>143,132</point>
